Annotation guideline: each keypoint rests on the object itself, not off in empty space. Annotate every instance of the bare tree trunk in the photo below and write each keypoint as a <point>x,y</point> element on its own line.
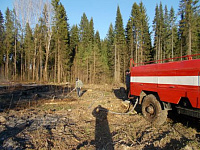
<point>40,56</point>
<point>59,63</point>
<point>159,48</point>
<point>21,65</point>
<point>7,60</point>
<point>47,57</point>
<point>181,49</point>
<point>156,47</point>
<point>37,70</point>
<point>124,69</point>
<point>189,40</point>
<point>119,66</point>
<point>34,60</point>
<point>29,65</point>
<point>25,67</point>
<point>94,74</point>
<point>131,48</point>
<point>91,77</point>
<point>15,58</point>
<point>172,43</point>
<point>136,48</point>
<point>87,70</point>
<point>115,74</point>
<point>141,53</point>
<point>48,19</point>
<point>55,66</point>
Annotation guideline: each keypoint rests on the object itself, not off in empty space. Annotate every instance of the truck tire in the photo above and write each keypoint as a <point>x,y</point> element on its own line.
<point>152,110</point>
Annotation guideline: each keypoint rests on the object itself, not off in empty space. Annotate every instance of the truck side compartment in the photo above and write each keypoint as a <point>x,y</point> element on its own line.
<point>171,81</point>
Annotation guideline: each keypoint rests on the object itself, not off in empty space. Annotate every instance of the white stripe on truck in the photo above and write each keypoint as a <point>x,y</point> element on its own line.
<point>176,80</point>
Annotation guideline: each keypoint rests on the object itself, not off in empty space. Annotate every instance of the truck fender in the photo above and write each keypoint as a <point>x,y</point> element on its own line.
<point>164,105</point>
<point>142,95</point>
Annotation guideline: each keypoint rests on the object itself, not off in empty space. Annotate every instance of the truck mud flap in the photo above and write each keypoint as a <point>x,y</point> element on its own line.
<point>189,112</point>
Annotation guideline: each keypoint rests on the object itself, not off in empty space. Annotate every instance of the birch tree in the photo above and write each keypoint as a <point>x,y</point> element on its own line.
<point>48,18</point>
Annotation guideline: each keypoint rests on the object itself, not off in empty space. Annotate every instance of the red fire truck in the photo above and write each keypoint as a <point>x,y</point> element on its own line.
<point>161,87</point>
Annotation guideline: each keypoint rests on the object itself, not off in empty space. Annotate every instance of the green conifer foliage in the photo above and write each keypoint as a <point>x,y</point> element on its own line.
<point>62,51</point>
<point>1,40</point>
<point>51,50</point>
<point>9,41</point>
<point>120,48</point>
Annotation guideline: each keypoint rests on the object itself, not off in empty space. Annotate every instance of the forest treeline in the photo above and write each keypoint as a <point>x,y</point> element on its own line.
<point>37,44</point>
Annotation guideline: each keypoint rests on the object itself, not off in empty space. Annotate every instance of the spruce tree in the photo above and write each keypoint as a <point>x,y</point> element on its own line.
<point>110,50</point>
<point>119,48</point>
<point>129,38</point>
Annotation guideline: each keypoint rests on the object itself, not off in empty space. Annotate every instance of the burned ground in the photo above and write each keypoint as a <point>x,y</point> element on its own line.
<point>47,117</point>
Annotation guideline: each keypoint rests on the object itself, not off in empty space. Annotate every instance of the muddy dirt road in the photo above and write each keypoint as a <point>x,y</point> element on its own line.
<point>38,118</point>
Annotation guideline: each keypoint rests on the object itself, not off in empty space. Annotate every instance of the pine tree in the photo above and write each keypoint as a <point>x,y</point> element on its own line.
<point>158,27</point>
<point>29,50</point>
<point>36,61</point>
<point>129,39</point>
<point>138,35</point>
<point>166,33</point>
<point>9,40</point>
<point>38,53</point>
<point>16,43</point>
<point>61,36</point>
<point>188,25</point>
<point>1,40</point>
<point>145,39</point>
<point>135,18</point>
<point>90,53</point>
<point>173,33</point>
<point>97,62</point>
<point>84,49</point>
<point>74,42</point>
<point>107,76</point>
<point>196,32</point>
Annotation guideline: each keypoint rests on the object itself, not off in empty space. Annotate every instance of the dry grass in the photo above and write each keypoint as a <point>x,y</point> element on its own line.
<point>78,123</point>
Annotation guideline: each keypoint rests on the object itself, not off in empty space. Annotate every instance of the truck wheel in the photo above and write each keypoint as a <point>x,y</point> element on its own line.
<point>152,111</point>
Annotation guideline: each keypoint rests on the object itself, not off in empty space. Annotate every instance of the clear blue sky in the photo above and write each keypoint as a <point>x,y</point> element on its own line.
<point>103,11</point>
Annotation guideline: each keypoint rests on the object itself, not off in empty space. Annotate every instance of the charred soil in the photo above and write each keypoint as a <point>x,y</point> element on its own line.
<point>50,117</point>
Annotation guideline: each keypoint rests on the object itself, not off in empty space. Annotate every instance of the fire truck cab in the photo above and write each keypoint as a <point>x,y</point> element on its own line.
<point>165,86</point>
